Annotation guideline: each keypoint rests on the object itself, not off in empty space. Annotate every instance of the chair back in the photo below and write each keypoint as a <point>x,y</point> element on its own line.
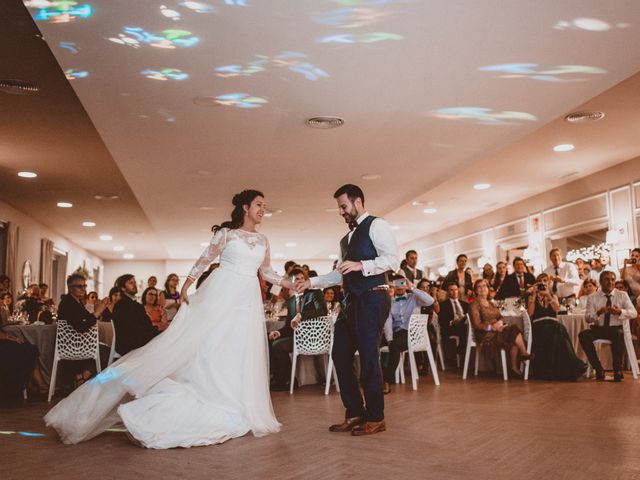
<point>418,335</point>
<point>471,336</point>
<point>436,327</point>
<point>71,345</point>
<point>314,336</point>
<point>544,318</point>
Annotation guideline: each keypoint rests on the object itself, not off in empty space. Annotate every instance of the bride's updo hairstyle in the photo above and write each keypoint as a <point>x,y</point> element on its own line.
<point>237,215</point>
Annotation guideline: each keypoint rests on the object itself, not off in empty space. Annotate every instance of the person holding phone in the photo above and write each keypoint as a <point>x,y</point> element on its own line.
<point>631,272</point>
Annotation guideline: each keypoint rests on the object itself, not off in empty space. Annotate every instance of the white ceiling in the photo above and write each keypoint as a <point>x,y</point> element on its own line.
<point>177,157</point>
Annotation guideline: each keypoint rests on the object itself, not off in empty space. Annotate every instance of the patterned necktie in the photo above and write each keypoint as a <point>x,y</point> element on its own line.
<point>607,316</point>
<point>554,289</point>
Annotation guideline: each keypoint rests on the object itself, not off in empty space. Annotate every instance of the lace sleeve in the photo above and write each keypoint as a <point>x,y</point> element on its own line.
<point>217,243</point>
<point>265,269</point>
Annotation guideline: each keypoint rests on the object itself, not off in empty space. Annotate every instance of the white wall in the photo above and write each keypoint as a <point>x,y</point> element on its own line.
<point>31,233</point>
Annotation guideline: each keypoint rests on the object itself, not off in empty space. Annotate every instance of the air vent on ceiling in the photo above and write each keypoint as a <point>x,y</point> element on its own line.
<point>325,122</point>
<point>583,117</point>
<point>18,87</point>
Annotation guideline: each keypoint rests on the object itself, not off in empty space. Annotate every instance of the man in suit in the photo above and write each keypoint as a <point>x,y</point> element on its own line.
<point>460,276</point>
<point>452,317</point>
<point>367,253</point>
<point>133,327</point>
<point>517,283</point>
<point>411,271</point>
<point>300,307</point>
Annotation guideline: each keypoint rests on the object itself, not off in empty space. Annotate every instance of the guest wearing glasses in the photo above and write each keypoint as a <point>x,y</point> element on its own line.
<point>155,312</point>
<point>133,327</point>
<point>6,307</point>
<point>460,276</point>
<point>564,276</point>
<point>170,298</point>
<point>492,333</point>
<point>607,309</point>
<point>516,284</point>
<point>73,311</point>
<point>553,355</point>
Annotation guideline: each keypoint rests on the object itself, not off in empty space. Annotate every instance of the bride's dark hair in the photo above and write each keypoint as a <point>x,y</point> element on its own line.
<point>241,199</point>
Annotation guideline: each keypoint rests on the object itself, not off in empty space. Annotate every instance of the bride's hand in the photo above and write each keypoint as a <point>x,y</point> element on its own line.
<point>184,296</point>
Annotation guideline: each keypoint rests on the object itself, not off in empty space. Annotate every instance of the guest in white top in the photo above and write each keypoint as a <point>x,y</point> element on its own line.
<point>607,309</point>
<point>565,280</point>
<point>599,265</point>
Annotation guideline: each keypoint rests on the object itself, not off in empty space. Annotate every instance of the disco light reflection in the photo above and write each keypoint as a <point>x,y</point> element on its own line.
<point>483,116</point>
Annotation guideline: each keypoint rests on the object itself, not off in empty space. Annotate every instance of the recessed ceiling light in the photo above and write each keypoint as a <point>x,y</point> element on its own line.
<point>325,122</point>
<point>204,244</point>
<point>371,176</point>
<point>563,147</point>
<point>395,227</point>
<point>333,256</point>
<point>27,174</point>
<point>430,210</point>
<point>482,186</point>
<point>18,87</point>
<point>290,244</point>
<point>118,248</point>
<point>106,238</point>
<point>65,204</point>
<point>89,224</point>
<point>206,208</point>
<point>128,256</point>
<point>417,203</point>
<point>583,117</point>
<point>106,196</point>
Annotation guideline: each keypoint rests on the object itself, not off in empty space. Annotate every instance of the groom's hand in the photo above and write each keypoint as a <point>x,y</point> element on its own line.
<point>301,286</point>
<point>348,266</point>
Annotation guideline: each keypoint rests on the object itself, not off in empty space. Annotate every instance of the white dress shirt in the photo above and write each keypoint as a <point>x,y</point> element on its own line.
<point>595,274</point>
<point>569,273</point>
<point>384,242</point>
<point>619,299</point>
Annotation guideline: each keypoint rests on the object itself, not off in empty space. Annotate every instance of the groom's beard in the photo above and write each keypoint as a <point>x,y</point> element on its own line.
<point>351,216</point>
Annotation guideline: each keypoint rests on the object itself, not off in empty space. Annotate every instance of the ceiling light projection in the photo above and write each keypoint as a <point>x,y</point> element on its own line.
<point>483,116</point>
<point>172,38</point>
<point>241,100</point>
<point>170,13</point>
<point>236,3</point>
<point>70,46</point>
<point>588,24</point>
<point>27,174</point>
<point>165,74</point>
<point>74,74</point>
<point>544,73</point>
<point>350,17</point>
<point>199,7</point>
<point>351,38</point>
<point>370,3</point>
<point>291,60</point>
<point>58,11</point>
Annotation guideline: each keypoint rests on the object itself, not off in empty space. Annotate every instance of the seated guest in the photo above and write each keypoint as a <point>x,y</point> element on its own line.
<point>18,366</point>
<point>133,327</point>
<point>170,298</point>
<point>588,287</point>
<point>91,301</point>
<point>114,296</point>
<point>5,284</point>
<point>460,276</point>
<point>299,307</point>
<point>433,290</point>
<point>30,302</point>
<point>73,311</point>
<point>516,284</point>
<point>6,307</point>
<point>44,297</point>
<point>492,333</point>
<point>407,299</point>
<point>329,298</point>
<point>631,273</point>
<point>487,273</point>
<point>599,265</point>
<point>452,318</point>
<point>155,312</point>
<point>564,277</point>
<point>410,270</point>
<point>499,277</point>
<point>553,355</point>
<point>606,310</point>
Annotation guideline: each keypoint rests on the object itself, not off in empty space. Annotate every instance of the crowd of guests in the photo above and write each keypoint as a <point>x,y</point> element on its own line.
<point>461,299</point>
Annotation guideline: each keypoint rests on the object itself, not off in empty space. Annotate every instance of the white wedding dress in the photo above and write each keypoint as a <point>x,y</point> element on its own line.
<point>205,379</point>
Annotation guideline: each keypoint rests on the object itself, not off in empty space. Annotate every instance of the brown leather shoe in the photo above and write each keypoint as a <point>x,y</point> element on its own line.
<point>369,428</point>
<point>348,424</point>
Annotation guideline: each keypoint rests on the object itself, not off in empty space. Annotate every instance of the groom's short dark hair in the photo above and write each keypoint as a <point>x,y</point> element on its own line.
<point>352,191</point>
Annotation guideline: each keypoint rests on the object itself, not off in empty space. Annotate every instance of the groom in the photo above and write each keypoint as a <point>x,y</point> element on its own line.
<point>367,252</point>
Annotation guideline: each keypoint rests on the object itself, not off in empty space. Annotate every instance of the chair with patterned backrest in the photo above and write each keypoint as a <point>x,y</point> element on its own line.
<point>436,327</point>
<point>628,343</point>
<point>471,343</point>
<point>418,341</point>
<point>314,336</point>
<point>71,345</point>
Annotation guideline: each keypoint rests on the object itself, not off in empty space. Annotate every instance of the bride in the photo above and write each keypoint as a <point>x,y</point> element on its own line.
<point>205,379</point>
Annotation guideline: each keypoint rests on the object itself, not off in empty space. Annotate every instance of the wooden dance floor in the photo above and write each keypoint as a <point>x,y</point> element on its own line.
<point>483,428</point>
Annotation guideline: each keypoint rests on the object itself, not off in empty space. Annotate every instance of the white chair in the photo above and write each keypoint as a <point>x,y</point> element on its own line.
<point>471,343</point>
<point>314,336</point>
<point>399,370</point>
<point>527,333</point>
<point>628,343</point>
<point>418,341</point>
<point>436,327</point>
<point>71,345</point>
<point>113,355</point>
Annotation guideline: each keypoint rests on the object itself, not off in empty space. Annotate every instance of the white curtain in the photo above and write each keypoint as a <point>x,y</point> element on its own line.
<point>13,235</point>
<point>46,261</point>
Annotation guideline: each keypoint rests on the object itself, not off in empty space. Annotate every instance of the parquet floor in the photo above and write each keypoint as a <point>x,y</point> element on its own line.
<point>483,428</point>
